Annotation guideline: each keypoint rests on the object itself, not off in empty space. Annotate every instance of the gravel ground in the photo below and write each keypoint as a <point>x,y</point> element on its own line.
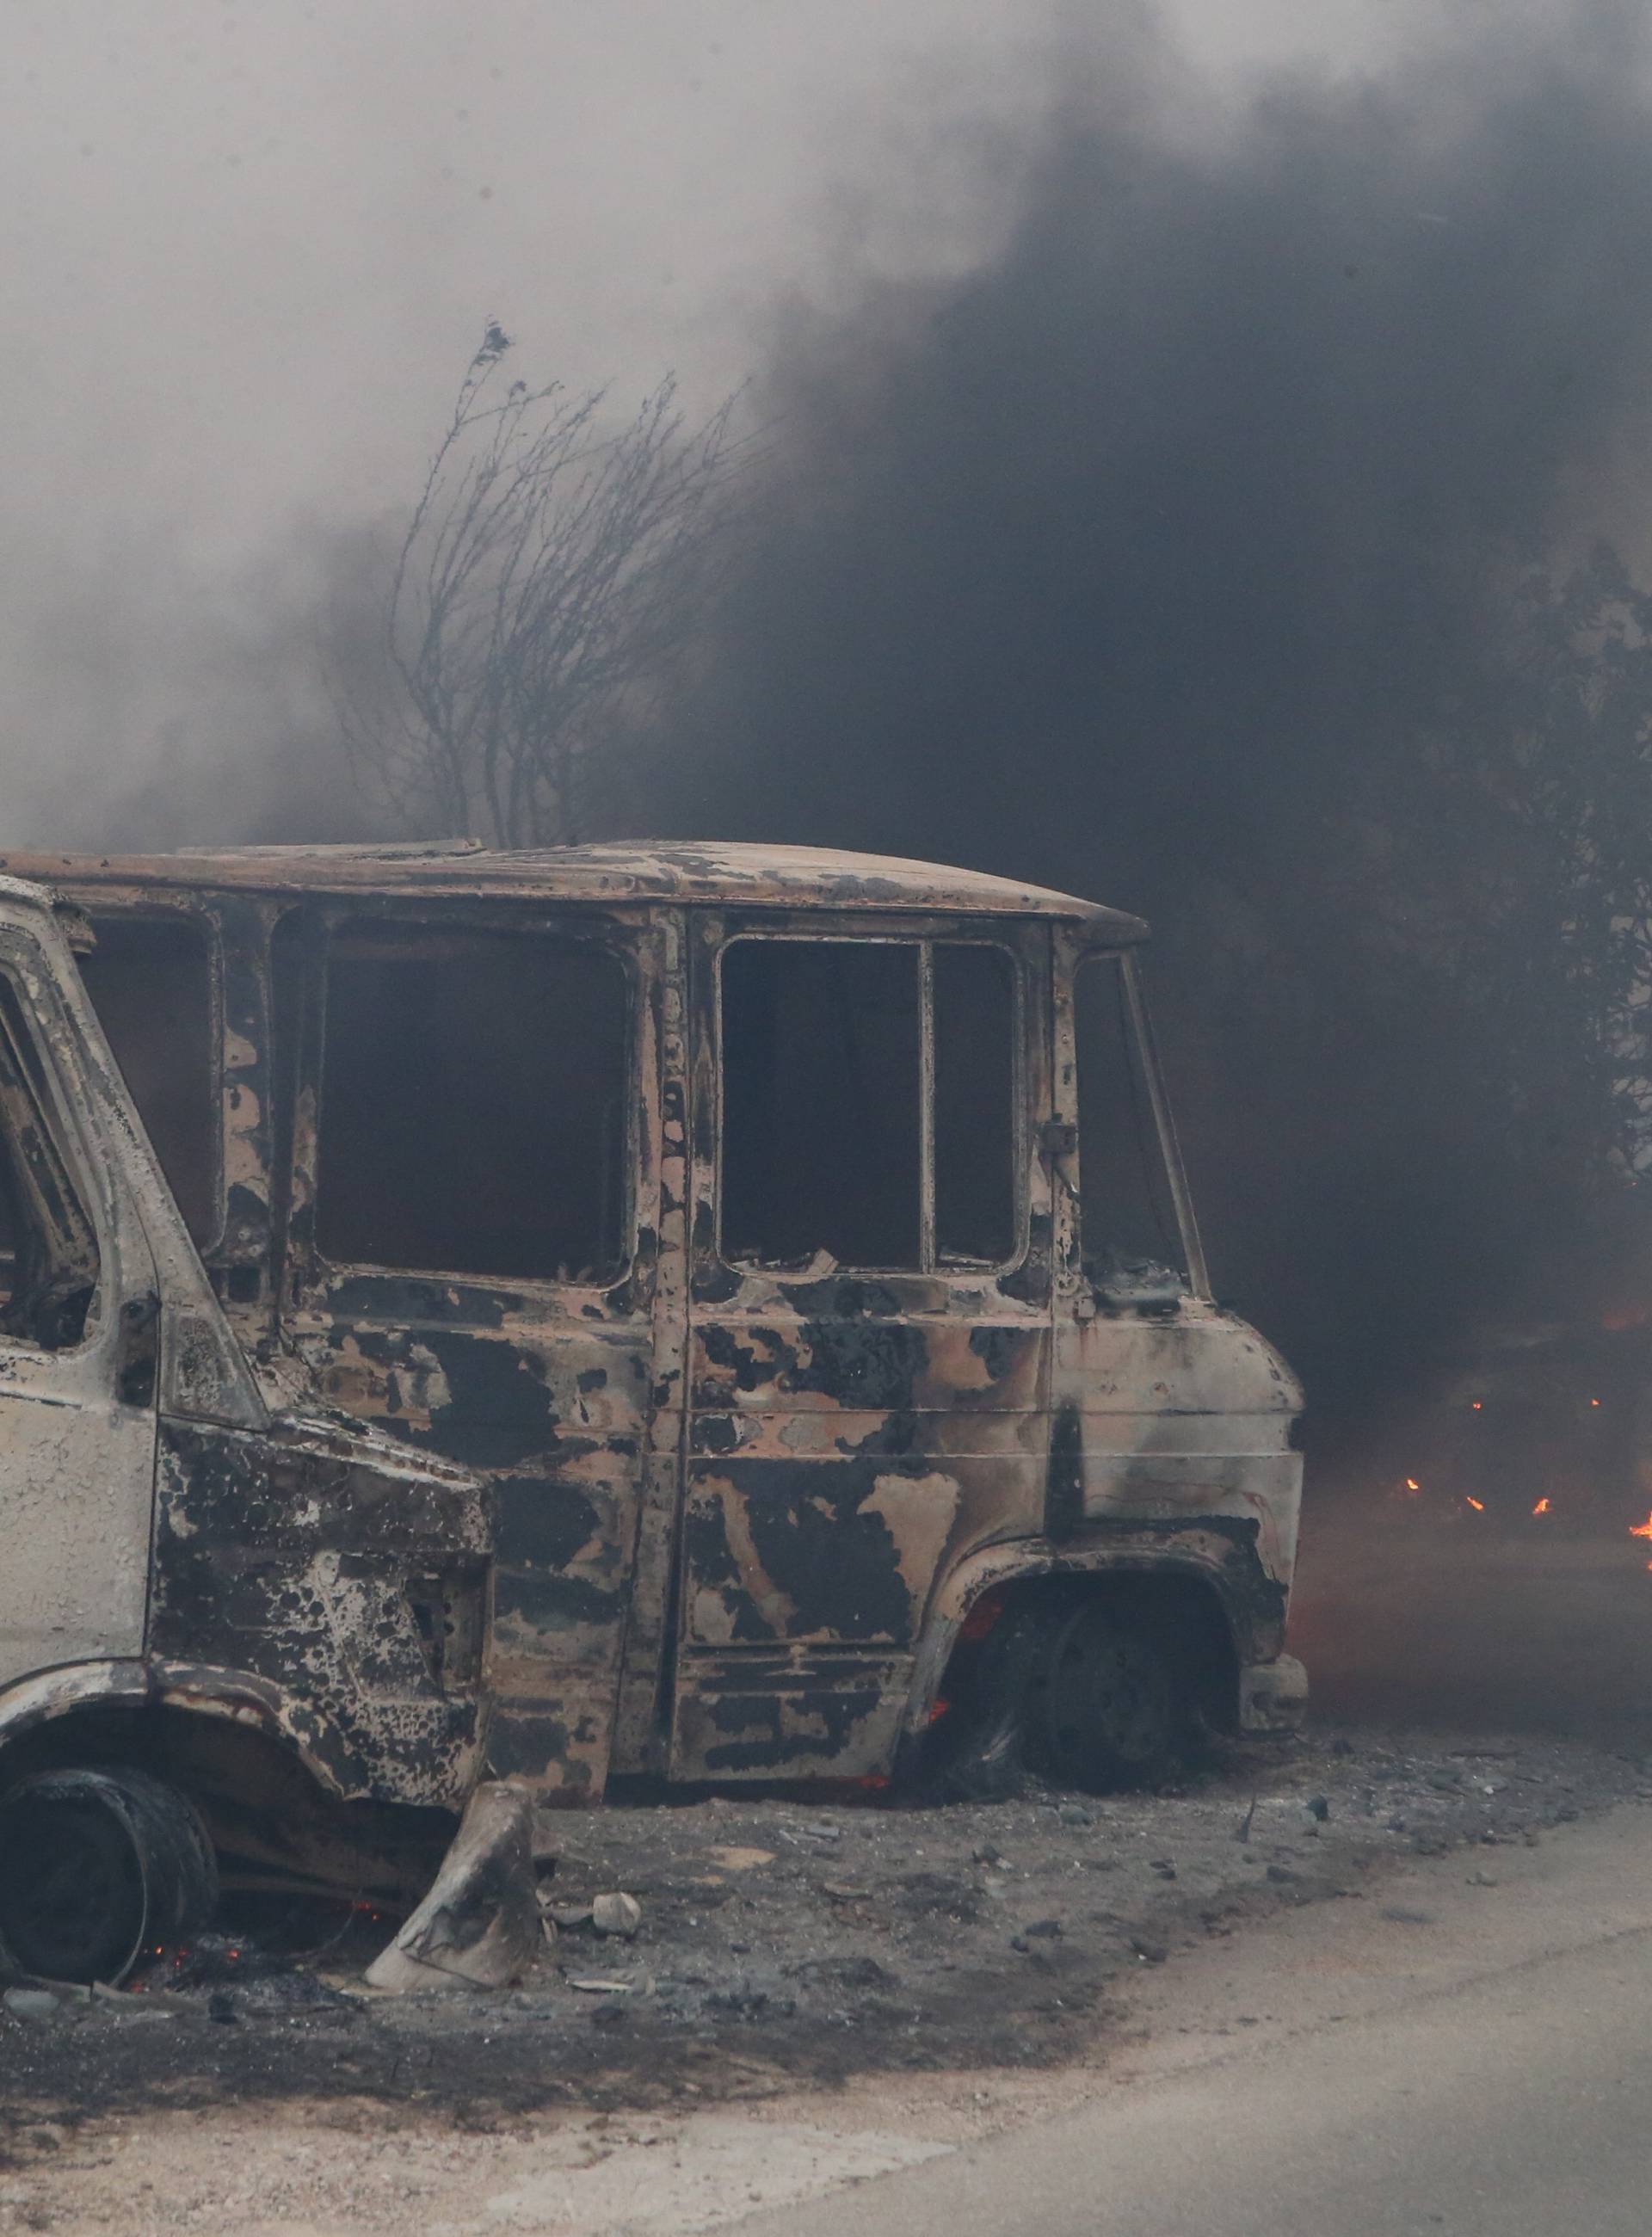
<point>789,1943</point>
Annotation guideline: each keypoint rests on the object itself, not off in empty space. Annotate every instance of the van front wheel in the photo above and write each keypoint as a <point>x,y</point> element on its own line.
<point>1111,1709</point>
<point>96,1867</point>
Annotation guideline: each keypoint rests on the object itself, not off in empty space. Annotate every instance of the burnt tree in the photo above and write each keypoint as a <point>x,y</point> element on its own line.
<point>554,567</point>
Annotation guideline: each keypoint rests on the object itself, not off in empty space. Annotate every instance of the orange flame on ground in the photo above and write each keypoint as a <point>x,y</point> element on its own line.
<point>1478,1505</point>
<point>1411,1484</point>
<point>1642,1529</point>
<point>1541,1508</point>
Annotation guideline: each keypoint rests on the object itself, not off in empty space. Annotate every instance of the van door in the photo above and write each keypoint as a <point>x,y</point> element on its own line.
<point>869,1318</point>
<point>474,1260</point>
<point>78,1325</point>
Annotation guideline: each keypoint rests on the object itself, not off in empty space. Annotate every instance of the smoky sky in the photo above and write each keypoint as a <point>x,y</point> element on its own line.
<point>247,246</point>
<point>1139,558</point>
<point>1147,429</point>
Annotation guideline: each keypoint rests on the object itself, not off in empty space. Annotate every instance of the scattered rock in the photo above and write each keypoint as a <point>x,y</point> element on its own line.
<point>1150,1953</point>
<point>734,1858</point>
<point>985,1854</point>
<point>1043,1929</point>
<point>32,2004</point>
<point>1401,1916</point>
<point>1164,1866</point>
<point>617,1913</point>
<point>602,1985</point>
<point>1282,1876</point>
<point>1320,1808</point>
<point>1074,1813</point>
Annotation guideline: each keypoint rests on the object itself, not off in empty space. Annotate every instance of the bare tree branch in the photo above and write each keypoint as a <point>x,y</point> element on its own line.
<point>553,568</point>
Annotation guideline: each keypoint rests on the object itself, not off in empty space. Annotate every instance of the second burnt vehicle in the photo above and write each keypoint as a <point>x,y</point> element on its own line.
<point>794,1242</point>
<point>227,1623</point>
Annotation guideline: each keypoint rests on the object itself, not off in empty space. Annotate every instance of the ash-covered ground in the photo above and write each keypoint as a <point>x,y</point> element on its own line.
<point>790,1943</point>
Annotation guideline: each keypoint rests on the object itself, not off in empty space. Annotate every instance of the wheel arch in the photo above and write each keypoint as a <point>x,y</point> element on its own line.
<point>49,1699</point>
<point>254,1762</point>
<point>1175,1571</point>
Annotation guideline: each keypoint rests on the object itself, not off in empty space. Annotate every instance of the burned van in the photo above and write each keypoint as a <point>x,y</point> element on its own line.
<point>794,1243</point>
<point>218,1604</point>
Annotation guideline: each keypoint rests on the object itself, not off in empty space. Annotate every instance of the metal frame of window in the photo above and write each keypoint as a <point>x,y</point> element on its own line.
<point>928,1259</point>
<point>328,929</point>
<point>202,925</point>
<point>1141,1025</point>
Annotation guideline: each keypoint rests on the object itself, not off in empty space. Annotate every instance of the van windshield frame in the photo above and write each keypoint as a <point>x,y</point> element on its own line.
<point>1138,1023</point>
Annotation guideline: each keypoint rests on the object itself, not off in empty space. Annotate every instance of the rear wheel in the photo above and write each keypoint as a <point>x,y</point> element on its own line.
<point>1111,1707</point>
<point>97,1867</point>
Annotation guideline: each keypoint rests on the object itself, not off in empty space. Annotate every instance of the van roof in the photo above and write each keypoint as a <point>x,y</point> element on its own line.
<point>615,870</point>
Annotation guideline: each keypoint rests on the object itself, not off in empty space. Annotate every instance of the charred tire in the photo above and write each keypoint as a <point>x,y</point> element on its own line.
<point>1111,1707</point>
<point>97,1867</point>
<point>978,1751</point>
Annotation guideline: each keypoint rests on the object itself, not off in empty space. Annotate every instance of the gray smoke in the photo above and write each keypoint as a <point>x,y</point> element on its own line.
<point>1173,554</point>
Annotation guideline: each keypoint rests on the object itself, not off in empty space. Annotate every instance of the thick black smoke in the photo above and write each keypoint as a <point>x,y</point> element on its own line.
<point>1173,556</point>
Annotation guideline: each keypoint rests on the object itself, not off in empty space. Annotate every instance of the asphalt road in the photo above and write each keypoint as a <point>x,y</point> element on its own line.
<point>1465,2051</point>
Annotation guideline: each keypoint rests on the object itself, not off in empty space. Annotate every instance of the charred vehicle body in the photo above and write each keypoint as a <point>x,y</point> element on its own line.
<point>793,1244</point>
<point>215,1614</point>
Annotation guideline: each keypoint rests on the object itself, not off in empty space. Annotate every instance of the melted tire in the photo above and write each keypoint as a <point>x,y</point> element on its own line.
<point>1110,1708</point>
<point>96,1867</point>
<point>978,1752</point>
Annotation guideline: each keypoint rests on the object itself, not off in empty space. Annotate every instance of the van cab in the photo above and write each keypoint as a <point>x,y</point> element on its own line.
<point>793,1245</point>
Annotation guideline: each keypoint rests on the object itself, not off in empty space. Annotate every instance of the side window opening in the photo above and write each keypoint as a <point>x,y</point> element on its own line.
<point>868,1104</point>
<point>974,1106</point>
<point>473,1104</point>
<point>821,1080</point>
<point>49,1256</point>
<point>150,981</point>
<point>1127,1211</point>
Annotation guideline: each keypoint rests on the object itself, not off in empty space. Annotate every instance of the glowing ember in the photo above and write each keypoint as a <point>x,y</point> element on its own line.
<point>1541,1508</point>
<point>1641,1530</point>
<point>1593,1401</point>
<point>1475,1402</point>
<point>1411,1484</point>
<point>1478,1505</point>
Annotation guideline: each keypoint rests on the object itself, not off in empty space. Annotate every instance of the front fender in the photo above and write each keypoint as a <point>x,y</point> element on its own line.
<point>1221,1551</point>
<point>196,1689</point>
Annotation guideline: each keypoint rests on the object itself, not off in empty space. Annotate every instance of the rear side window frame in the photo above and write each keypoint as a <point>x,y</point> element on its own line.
<point>203,925</point>
<point>302,1071</point>
<point>925,940</point>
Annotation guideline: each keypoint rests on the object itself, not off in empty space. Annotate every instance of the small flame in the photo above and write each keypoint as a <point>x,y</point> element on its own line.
<point>1411,1484</point>
<point>1593,1401</point>
<point>1642,1529</point>
<point>1476,1403</point>
<point>1541,1508</point>
<point>1478,1505</point>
